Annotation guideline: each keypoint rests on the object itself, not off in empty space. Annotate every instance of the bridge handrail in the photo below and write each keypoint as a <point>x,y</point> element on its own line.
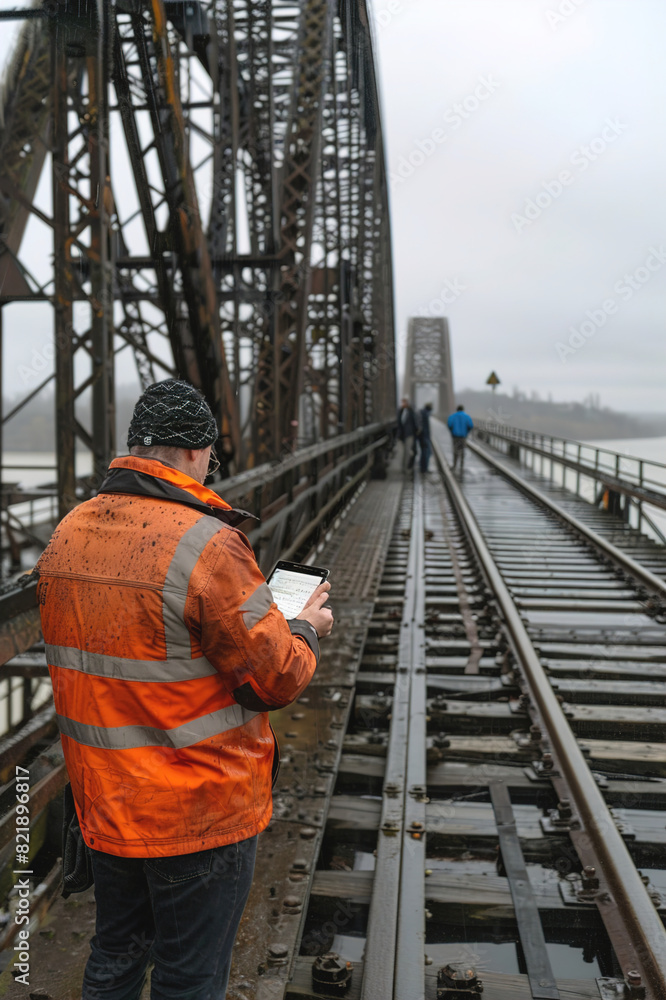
<point>242,484</point>
<point>644,481</point>
<point>296,497</point>
<point>549,443</point>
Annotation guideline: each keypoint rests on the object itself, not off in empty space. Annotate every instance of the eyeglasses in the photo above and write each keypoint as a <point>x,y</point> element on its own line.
<point>213,463</point>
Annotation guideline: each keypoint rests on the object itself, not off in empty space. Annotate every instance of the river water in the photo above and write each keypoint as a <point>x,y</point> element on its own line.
<point>37,468</point>
<point>632,452</point>
<point>651,449</point>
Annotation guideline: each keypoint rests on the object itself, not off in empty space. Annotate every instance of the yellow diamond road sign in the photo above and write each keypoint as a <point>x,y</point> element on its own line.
<point>492,379</point>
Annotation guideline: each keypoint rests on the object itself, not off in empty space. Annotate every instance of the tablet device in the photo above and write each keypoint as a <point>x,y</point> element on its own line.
<point>292,585</point>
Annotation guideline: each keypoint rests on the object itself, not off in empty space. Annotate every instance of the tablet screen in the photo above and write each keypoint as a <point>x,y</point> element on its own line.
<point>293,584</point>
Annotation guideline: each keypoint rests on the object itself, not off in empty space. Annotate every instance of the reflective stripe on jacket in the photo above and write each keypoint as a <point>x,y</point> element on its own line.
<point>165,650</point>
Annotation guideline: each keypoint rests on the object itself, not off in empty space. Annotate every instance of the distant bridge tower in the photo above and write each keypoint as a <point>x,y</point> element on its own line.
<point>428,375</point>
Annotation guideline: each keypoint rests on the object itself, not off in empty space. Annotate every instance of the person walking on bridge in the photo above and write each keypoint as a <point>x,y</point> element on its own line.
<point>459,424</point>
<point>425,443</point>
<point>407,430</point>
<point>166,653</point>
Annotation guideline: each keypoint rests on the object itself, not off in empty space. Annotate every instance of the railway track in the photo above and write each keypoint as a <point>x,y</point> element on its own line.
<point>472,804</point>
<point>497,823</point>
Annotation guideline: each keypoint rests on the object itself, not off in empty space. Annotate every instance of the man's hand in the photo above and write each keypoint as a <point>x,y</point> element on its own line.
<point>316,614</point>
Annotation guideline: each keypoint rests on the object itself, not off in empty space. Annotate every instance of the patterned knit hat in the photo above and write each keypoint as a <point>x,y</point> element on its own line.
<point>172,413</point>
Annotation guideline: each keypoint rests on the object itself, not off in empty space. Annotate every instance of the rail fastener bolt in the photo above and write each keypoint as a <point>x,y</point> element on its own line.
<point>589,884</point>
<point>277,953</point>
<point>331,975</point>
<point>590,876</point>
<point>564,809</point>
<point>457,981</point>
<point>634,984</point>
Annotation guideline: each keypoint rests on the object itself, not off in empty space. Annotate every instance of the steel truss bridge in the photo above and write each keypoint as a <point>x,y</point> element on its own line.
<point>218,211</point>
<point>472,797</point>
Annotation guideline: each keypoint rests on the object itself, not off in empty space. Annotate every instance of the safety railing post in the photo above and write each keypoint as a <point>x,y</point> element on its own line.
<point>541,458</point>
<point>596,468</point>
<point>578,461</point>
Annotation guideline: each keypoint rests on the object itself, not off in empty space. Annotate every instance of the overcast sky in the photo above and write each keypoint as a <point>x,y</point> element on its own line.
<point>526,145</point>
<point>546,87</point>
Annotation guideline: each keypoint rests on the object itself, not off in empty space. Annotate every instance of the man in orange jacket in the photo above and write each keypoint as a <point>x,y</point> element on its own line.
<point>166,653</point>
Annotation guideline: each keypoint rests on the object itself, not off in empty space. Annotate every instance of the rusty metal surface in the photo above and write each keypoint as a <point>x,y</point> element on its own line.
<point>637,933</point>
<point>41,794</point>
<point>289,349</point>
<point>639,572</point>
<point>464,602</point>
<point>23,144</point>
<point>19,621</point>
<point>14,746</point>
<point>384,919</point>
<point>528,441</point>
<point>475,729</point>
<point>311,738</point>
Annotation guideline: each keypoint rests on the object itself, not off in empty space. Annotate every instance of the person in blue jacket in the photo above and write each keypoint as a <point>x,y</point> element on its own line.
<point>460,424</point>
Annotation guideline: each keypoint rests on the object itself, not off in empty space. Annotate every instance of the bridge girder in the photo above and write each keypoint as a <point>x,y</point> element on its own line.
<point>257,261</point>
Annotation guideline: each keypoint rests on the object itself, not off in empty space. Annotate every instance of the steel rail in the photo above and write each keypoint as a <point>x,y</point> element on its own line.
<point>410,943</point>
<point>640,921</point>
<point>379,967</point>
<point>649,580</point>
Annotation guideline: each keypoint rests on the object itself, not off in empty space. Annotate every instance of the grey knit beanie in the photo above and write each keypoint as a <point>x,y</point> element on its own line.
<point>172,413</point>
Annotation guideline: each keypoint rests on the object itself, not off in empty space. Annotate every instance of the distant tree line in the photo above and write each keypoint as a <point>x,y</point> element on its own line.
<point>33,428</point>
<point>586,420</point>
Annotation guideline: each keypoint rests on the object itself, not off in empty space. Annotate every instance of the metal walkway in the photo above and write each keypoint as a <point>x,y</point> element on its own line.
<point>473,794</point>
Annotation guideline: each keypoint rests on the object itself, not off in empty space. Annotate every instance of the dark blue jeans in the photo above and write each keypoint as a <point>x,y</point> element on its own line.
<point>182,913</point>
<point>424,445</point>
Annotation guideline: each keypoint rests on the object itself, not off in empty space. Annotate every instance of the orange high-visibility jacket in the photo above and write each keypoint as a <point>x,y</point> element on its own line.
<point>165,650</point>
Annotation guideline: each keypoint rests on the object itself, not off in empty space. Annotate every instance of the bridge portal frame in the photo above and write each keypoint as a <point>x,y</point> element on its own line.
<point>428,361</point>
